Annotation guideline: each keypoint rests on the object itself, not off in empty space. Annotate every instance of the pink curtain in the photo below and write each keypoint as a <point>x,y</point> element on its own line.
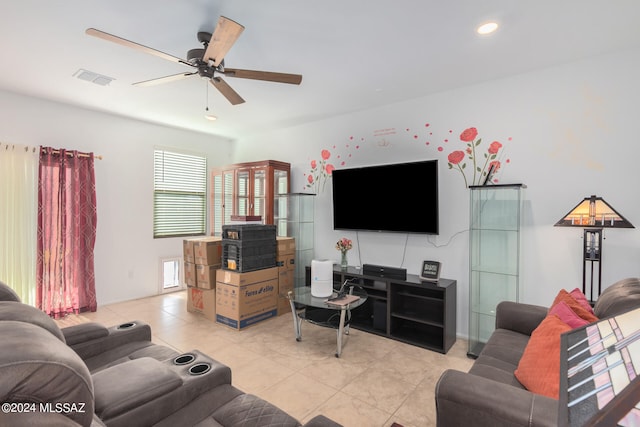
<point>66,233</point>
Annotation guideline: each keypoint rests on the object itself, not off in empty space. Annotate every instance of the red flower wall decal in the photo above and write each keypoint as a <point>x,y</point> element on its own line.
<point>320,172</point>
<point>495,147</point>
<point>456,158</point>
<point>468,135</point>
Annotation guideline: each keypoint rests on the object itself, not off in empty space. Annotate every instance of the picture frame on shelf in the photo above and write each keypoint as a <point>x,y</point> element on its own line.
<point>430,271</point>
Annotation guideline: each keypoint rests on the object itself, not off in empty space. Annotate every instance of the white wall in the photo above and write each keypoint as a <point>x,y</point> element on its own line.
<point>126,254</point>
<point>568,132</point>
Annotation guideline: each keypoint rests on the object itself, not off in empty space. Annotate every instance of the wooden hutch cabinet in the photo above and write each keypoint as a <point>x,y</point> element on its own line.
<point>247,189</point>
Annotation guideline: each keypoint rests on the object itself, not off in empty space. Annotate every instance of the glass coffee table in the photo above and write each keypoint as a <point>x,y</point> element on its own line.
<point>318,311</point>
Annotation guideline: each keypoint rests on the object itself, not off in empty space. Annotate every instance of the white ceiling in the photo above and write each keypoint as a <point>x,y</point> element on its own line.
<point>353,54</point>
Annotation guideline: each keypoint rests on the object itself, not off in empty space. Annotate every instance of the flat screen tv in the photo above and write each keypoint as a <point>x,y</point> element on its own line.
<point>401,197</point>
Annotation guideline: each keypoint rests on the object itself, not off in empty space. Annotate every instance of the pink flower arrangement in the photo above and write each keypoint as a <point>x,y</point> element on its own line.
<point>344,244</point>
<point>456,159</point>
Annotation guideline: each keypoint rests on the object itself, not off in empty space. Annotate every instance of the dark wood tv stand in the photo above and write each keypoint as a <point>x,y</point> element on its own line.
<point>408,310</point>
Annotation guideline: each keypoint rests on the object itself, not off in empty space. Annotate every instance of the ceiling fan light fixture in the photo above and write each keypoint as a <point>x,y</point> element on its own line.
<point>206,60</point>
<point>487,28</point>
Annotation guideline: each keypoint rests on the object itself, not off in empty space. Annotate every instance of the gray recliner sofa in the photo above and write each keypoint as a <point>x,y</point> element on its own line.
<point>89,375</point>
<point>489,394</point>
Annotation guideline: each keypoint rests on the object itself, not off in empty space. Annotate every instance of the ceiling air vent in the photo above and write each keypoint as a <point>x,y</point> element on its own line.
<point>90,76</point>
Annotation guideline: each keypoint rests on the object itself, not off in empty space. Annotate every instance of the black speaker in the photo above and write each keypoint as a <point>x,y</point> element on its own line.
<point>384,271</point>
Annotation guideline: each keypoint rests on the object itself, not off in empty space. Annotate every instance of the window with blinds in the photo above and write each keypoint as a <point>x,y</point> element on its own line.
<point>179,194</point>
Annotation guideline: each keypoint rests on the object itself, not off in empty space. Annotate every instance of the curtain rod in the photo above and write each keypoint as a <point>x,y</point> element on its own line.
<point>54,151</point>
<point>26,148</point>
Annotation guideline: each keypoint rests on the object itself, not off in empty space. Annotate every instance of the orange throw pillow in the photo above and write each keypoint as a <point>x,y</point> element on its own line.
<point>539,367</point>
<point>563,295</point>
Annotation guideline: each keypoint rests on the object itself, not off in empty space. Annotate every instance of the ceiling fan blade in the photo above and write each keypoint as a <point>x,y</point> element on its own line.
<point>226,90</point>
<point>128,43</point>
<point>166,79</point>
<point>294,79</point>
<point>224,36</point>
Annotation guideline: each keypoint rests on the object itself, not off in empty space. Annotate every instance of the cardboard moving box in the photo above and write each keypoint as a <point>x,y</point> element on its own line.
<point>285,284</point>
<point>187,251</point>
<point>286,263</point>
<point>190,274</point>
<point>208,251</point>
<point>202,301</point>
<point>286,245</point>
<point>206,276</point>
<point>286,253</point>
<point>240,279</point>
<point>244,299</point>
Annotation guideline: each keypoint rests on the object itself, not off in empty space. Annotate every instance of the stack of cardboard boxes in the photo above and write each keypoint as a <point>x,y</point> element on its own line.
<point>247,284</point>
<point>221,288</point>
<point>202,259</point>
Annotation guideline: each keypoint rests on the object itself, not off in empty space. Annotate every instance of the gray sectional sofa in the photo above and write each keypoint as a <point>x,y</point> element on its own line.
<point>90,375</point>
<point>489,394</point>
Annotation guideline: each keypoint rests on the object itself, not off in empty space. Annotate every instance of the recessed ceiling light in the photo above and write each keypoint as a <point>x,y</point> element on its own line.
<point>487,28</point>
<point>210,117</point>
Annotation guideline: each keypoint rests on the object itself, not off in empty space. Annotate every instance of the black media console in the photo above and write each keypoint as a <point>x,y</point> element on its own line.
<point>408,310</point>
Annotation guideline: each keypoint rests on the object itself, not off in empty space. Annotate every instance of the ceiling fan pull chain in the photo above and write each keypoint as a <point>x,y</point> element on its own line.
<point>207,100</point>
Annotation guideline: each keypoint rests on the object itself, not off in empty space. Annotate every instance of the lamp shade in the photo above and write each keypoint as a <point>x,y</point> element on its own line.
<point>594,212</point>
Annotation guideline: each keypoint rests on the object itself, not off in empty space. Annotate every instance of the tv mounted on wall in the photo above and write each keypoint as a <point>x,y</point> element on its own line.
<point>401,197</point>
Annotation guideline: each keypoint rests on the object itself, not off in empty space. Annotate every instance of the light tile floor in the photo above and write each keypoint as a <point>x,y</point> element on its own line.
<point>376,381</point>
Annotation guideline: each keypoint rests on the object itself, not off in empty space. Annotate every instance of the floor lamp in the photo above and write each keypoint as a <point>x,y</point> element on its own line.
<point>593,214</point>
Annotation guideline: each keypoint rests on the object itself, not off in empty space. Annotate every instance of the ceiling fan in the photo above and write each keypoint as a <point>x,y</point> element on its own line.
<point>208,61</point>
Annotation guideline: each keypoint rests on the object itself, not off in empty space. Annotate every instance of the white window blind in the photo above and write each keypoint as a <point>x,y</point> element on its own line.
<point>179,194</point>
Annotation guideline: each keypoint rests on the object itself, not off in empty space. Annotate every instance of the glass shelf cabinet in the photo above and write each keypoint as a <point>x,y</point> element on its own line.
<point>494,258</point>
<point>294,213</point>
